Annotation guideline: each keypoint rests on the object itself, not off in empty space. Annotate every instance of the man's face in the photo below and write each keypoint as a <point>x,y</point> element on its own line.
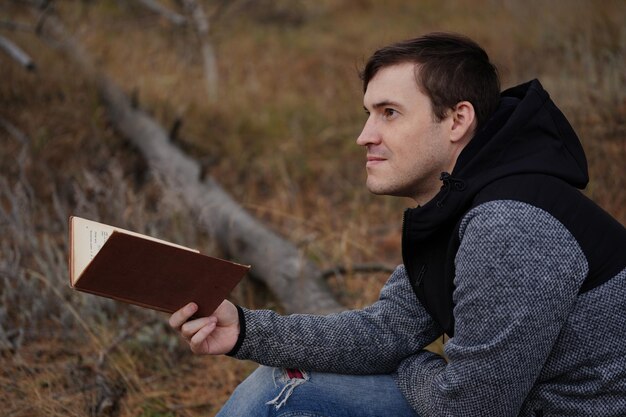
<point>407,149</point>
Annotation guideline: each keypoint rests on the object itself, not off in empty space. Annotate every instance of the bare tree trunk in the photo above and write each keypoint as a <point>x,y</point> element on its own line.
<point>295,281</point>
<point>201,23</point>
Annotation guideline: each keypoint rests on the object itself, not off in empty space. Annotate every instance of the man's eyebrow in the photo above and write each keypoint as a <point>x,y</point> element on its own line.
<point>385,103</point>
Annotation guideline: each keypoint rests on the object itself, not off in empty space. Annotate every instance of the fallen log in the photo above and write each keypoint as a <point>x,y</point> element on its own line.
<point>294,280</point>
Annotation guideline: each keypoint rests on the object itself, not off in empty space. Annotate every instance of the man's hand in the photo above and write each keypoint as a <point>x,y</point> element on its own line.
<point>213,335</point>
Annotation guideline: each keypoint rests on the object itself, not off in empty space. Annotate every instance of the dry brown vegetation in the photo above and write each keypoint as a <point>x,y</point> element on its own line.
<point>279,137</point>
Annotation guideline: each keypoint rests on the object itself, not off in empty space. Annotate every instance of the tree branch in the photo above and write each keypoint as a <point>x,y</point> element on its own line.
<point>11,25</point>
<point>358,268</point>
<point>16,53</point>
<point>171,16</point>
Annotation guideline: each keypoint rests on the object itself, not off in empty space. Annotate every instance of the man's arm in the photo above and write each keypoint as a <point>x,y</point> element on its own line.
<point>518,271</point>
<point>372,340</point>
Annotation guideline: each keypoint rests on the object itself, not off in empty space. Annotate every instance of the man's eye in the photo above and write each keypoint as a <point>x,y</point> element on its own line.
<point>389,113</point>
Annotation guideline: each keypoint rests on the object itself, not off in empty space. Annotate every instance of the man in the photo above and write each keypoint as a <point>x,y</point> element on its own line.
<point>503,254</point>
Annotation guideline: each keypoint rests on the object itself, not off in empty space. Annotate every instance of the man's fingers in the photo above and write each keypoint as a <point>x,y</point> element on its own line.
<point>198,342</point>
<point>179,318</point>
<point>189,328</point>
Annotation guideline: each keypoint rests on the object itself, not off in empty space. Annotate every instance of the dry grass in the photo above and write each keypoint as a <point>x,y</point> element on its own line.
<point>278,137</point>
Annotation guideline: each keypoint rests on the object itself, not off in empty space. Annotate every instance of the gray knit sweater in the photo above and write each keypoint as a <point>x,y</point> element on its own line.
<point>526,342</point>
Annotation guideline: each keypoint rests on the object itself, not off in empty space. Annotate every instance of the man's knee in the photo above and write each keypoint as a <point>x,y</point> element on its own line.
<point>266,389</point>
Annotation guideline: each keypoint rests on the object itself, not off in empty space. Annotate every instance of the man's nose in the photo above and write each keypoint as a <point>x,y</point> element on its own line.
<point>369,135</point>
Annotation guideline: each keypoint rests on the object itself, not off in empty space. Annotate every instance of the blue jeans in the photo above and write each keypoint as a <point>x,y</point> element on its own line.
<point>273,392</point>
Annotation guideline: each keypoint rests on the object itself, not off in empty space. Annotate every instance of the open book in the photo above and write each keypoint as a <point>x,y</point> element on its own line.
<point>148,272</point>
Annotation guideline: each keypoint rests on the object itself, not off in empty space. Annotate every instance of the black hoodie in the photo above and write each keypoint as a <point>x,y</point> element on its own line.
<point>527,151</point>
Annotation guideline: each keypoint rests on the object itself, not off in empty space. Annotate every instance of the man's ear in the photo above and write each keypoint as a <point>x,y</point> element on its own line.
<point>463,122</point>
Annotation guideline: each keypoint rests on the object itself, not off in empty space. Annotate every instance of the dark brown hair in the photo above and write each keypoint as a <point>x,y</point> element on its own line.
<point>449,68</point>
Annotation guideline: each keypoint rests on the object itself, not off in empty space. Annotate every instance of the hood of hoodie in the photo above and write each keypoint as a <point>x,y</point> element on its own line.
<point>527,134</point>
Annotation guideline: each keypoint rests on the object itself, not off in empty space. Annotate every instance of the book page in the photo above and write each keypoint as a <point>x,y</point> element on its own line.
<point>87,239</point>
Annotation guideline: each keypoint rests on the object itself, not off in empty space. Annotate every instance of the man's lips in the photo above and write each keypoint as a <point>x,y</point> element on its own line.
<point>374,160</point>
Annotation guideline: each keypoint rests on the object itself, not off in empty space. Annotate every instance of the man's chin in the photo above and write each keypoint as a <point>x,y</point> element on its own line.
<point>379,189</point>
<point>387,189</point>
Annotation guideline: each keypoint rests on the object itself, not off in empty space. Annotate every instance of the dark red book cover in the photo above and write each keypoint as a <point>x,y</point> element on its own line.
<point>158,276</point>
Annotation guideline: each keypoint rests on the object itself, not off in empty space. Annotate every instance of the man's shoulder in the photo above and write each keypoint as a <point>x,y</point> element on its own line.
<point>544,200</point>
<point>518,200</point>
<point>539,190</point>
<point>567,204</point>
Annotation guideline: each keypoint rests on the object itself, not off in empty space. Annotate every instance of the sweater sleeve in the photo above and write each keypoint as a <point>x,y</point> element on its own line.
<point>368,341</point>
<point>518,271</point>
